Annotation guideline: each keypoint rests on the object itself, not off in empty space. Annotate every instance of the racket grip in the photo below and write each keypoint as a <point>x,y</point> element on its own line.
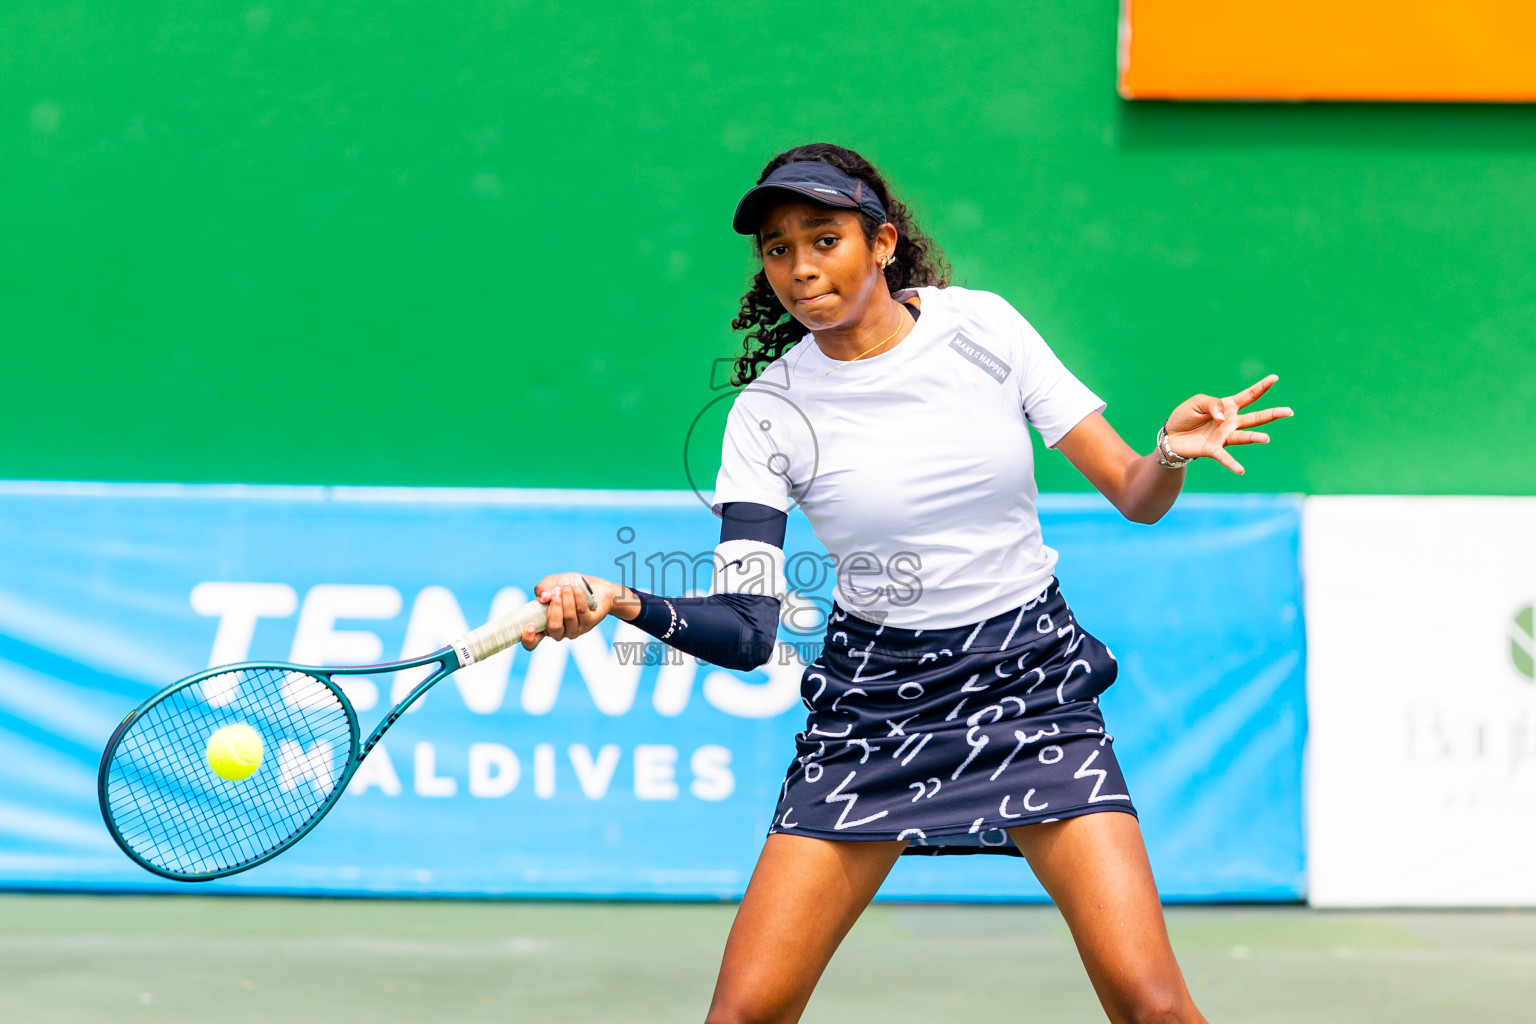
<point>505,630</point>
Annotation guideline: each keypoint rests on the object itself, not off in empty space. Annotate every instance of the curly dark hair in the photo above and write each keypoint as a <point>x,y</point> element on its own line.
<point>771,331</point>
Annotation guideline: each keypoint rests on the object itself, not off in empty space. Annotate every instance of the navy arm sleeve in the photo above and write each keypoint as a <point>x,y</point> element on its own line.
<point>729,630</point>
<point>733,631</point>
<point>747,520</point>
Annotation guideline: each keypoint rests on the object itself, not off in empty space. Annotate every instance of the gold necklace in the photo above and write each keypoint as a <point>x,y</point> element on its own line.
<point>900,323</point>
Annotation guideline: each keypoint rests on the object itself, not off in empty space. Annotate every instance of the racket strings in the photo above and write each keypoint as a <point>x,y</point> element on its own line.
<point>167,804</point>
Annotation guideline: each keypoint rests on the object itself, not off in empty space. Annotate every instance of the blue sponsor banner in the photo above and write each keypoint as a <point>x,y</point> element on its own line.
<point>598,767</point>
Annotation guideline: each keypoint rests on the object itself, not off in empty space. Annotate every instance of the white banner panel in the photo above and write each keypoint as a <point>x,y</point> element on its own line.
<point>1421,785</point>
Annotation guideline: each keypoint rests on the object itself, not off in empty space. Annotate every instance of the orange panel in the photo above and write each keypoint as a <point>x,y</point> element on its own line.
<point>1328,49</point>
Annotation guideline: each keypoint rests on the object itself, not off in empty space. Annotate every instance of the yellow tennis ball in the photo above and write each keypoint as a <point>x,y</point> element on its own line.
<point>234,752</point>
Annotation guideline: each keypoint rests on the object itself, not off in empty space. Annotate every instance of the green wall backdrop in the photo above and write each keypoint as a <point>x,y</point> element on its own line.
<point>487,243</point>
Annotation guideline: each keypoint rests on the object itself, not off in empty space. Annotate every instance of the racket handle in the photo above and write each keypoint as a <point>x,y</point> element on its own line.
<point>504,631</point>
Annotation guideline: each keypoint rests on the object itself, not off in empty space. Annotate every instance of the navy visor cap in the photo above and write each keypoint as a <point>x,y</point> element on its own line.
<point>807,179</point>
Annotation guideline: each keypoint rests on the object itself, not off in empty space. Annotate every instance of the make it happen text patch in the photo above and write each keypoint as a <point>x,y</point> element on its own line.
<point>981,357</point>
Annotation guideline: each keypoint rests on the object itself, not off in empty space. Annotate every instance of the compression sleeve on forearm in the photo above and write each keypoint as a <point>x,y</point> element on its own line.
<point>735,626</point>
<point>730,630</point>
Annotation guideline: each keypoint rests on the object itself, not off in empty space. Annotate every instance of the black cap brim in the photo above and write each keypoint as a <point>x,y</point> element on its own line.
<point>749,212</point>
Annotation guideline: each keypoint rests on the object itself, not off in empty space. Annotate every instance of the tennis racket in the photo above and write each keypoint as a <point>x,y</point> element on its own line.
<point>171,812</point>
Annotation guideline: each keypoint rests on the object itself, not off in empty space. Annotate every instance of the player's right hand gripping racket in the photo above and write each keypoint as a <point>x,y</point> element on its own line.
<point>169,799</point>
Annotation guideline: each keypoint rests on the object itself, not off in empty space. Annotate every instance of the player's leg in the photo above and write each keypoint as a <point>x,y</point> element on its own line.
<point>1095,869</point>
<point>804,896</point>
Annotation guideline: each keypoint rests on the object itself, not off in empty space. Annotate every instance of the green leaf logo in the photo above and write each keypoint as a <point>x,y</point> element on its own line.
<point>1522,642</point>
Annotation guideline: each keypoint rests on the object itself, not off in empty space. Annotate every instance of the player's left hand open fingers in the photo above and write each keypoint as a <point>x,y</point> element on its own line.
<point>1221,456</point>
<point>1263,416</point>
<point>1253,392</point>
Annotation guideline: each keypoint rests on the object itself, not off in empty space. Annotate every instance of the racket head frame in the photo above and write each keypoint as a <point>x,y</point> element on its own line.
<point>445,658</point>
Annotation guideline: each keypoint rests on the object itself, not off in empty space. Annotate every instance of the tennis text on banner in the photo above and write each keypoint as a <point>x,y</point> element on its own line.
<point>610,669</point>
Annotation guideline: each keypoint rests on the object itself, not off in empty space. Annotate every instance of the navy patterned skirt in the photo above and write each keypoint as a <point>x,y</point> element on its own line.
<point>947,737</point>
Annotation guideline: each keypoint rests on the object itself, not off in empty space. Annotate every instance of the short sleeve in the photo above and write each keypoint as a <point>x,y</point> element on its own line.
<point>765,455</point>
<point>1054,400</point>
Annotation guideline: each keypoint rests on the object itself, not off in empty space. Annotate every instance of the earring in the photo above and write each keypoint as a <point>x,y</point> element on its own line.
<point>887,262</point>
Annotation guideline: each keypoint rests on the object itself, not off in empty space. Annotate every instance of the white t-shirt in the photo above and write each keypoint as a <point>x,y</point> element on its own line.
<point>914,466</point>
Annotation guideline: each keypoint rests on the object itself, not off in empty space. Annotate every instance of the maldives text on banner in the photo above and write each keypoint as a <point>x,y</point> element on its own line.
<point>598,767</point>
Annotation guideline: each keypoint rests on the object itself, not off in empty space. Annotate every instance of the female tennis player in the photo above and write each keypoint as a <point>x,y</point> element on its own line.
<point>954,708</point>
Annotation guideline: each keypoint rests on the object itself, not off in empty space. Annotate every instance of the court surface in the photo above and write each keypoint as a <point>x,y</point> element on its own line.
<point>236,960</point>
